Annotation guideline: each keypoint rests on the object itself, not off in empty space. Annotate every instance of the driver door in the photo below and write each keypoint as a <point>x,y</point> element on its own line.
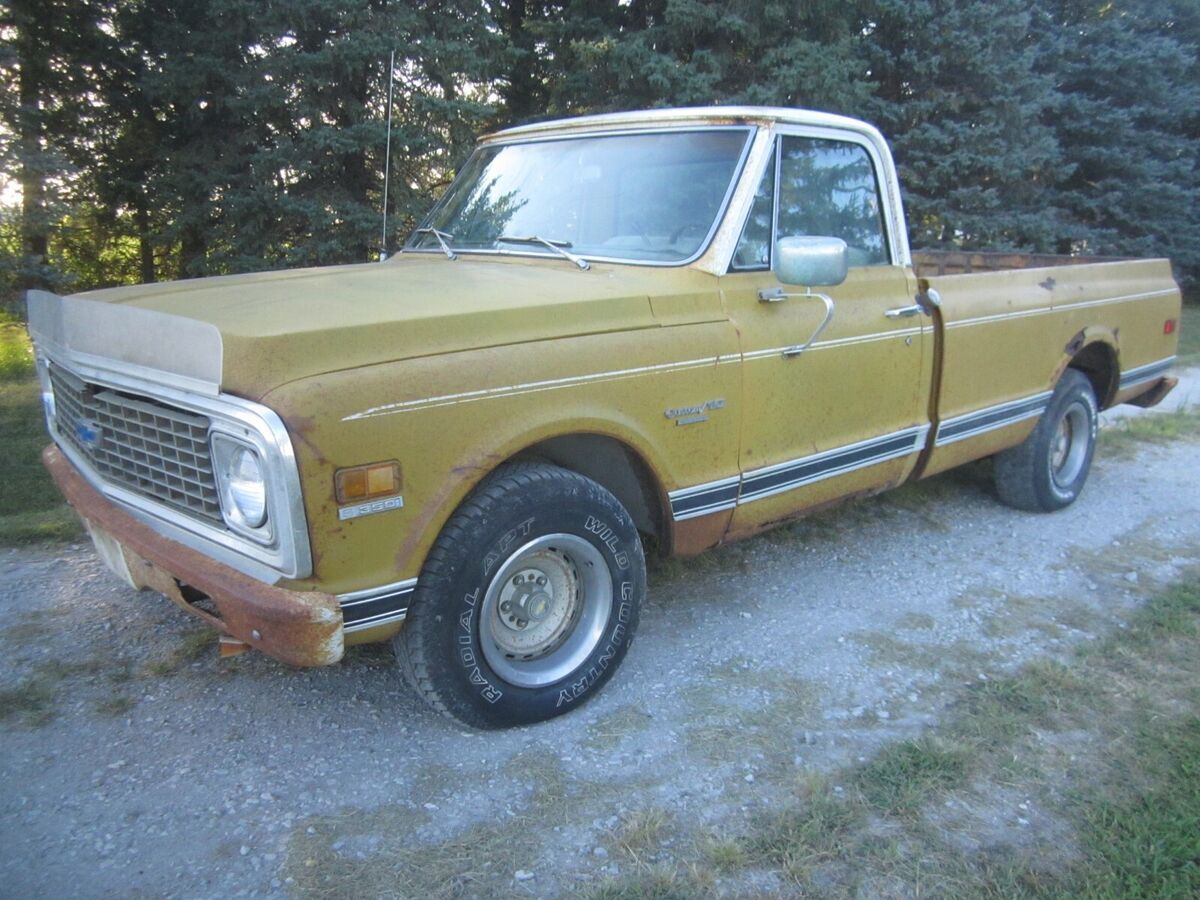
<point>846,414</point>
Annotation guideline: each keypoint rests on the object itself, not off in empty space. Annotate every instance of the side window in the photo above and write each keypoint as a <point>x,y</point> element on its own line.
<point>828,188</point>
<point>754,249</point>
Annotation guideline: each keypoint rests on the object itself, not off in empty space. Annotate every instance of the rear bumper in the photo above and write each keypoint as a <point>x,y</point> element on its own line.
<point>1154,394</point>
<point>295,627</point>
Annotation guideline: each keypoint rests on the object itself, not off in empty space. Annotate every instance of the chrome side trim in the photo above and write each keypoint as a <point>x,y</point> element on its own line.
<point>530,387</point>
<point>1148,372</point>
<point>1044,310</point>
<point>990,418</point>
<point>376,606</point>
<point>289,555</point>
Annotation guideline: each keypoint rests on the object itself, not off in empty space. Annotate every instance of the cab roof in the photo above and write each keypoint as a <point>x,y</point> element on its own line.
<point>696,115</point>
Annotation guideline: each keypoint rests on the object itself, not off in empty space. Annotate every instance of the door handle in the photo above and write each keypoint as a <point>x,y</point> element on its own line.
<point>773,295</point>
<point>903,312</point>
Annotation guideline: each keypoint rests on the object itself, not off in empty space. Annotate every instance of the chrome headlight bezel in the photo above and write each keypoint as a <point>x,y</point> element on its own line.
<point>285,553</point>
<point>227,451</point>
<point>41,364</point>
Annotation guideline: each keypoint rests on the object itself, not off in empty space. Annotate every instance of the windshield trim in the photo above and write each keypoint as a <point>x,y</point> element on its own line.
<point>719,219</point>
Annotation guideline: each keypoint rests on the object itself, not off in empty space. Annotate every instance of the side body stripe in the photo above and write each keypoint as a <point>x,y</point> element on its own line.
<point>1148,372</point>
<point>969,425</point>
<point>376,606</point>
<point>715,496</point>
<point>787,476</point>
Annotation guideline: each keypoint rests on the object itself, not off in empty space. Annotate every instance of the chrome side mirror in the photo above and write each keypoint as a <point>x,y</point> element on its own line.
<point>810,261</point>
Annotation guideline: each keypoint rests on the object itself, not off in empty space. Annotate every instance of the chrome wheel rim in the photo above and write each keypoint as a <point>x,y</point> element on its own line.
<point>1069,445</point>
<point>545,611</point>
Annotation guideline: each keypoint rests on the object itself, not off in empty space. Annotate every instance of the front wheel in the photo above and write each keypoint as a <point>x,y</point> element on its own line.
<point>1048,469</point>
<point>528,600</point>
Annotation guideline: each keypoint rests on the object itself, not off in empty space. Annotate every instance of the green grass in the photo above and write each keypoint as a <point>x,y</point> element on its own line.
<point>1124,439</point>
<point>31,701</point>
<point>1149,845</point>
<point>115,706</point>
<point>1104,746</point>
<point>189,649</point>
<point>31,509</point>
<point>904,776</point>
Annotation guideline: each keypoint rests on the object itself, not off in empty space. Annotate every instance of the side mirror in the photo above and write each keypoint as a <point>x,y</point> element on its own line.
<point>810,261</point>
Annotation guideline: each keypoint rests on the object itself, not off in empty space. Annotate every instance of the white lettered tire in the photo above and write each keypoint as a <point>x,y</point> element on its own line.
<point>1047,471</point>
<point>528,600</point>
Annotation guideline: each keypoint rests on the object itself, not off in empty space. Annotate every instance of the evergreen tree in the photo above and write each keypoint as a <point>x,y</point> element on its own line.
<point>1128,84</point>
<point>163,138</point>
<point>650,53</point>
<point>46,62</point>
<point>964,107</point>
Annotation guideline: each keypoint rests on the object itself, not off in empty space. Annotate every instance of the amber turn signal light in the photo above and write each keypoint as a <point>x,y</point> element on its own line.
<point>367,482</point>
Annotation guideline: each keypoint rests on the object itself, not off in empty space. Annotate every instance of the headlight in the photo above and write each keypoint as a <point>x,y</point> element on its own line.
<point>242,485</point>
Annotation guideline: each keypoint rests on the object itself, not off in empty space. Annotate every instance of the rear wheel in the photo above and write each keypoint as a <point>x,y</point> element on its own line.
<point>1048,469</point>
<point>528,600</point>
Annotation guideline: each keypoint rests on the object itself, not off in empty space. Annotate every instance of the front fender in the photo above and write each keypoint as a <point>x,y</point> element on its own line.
<point>450,420</point>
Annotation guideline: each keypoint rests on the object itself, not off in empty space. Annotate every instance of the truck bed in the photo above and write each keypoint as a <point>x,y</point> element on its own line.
<point>930,263</point>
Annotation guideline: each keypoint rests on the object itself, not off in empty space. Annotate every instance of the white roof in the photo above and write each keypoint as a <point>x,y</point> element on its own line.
<point>705,115</point>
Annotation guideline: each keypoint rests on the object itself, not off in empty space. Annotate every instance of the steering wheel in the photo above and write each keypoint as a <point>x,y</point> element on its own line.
<point>684,229</point>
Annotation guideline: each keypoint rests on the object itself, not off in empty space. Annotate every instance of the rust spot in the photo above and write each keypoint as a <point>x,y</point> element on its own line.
<point>1155,394</point>
<point>301,628</point>
<point>300,427</point>
<point>431,508</point>
<point>749,530</point>
<point>693,536</point>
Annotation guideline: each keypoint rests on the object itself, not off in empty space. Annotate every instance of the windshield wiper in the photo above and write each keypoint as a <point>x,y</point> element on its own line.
<point>442,237</point>
<point>558,247</point>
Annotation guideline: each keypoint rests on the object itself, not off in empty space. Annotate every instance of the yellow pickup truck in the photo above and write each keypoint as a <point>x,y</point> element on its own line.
<point>675,326</point>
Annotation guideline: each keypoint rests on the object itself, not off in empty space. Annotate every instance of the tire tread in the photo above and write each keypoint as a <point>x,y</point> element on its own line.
<point>488,496</point>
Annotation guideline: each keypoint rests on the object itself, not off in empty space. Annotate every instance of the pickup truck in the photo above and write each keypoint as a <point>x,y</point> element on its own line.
<point>664,329</point>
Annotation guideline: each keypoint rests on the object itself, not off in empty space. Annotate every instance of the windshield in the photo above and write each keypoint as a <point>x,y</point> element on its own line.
<point>652,197</point>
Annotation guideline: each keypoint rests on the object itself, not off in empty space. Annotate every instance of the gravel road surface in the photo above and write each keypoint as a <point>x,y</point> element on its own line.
<point>141,765</point>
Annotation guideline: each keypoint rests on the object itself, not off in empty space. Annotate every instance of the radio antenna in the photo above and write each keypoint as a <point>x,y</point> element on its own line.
<point>387,155</point>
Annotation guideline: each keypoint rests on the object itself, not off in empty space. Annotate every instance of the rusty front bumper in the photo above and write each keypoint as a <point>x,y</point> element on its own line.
<point>300,628</point>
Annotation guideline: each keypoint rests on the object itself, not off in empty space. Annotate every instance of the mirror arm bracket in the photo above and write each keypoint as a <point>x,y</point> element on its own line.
<point>776,295</point>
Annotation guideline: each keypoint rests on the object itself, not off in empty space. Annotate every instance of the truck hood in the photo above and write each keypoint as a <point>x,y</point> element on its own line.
<point>270,328</point>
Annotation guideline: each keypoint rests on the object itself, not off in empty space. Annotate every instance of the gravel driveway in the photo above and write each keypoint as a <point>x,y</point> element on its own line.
<point>141,766</point>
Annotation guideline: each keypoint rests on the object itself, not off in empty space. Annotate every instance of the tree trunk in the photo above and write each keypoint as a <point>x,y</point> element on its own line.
<point>141,218</point>
<point>31,54</point>
<point>192,252</point>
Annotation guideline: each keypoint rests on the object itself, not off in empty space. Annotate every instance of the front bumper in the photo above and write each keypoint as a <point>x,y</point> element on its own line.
<point>301,628</point>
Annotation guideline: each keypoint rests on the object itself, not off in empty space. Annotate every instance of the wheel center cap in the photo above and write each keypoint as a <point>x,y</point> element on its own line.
<point>537,607</point>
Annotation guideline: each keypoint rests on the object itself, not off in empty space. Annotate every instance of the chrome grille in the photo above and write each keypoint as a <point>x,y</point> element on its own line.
<point>155,450</point>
